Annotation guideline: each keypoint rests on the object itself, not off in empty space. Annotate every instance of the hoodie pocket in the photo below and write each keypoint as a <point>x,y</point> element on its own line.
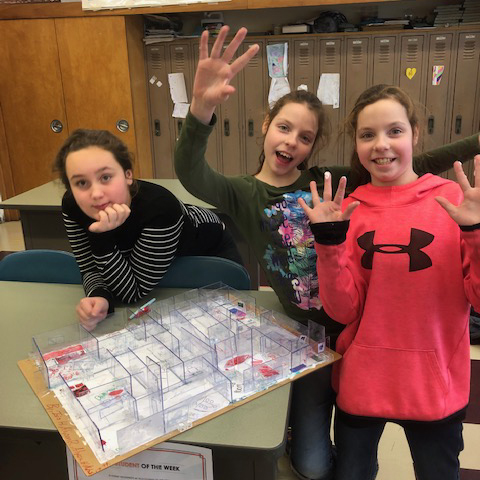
<point>392,383</point>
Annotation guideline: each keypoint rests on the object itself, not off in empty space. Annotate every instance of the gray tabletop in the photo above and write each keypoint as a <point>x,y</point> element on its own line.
<point>27,309</point>
<point>49,196</point>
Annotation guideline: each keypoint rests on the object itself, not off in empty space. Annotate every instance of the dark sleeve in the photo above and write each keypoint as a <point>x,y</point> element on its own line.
<point>441,159</point>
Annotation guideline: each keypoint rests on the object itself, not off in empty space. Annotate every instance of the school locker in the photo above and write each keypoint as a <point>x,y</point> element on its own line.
<point>330,61</point>
<point>213,153</point>
<point>160,111</point>
<point>384,60</point>
<point>254,104</point>
<point>466,90</point>
<point>438,92</point>
<point>230,130</point>
<point>356,78</point>
<point>181,62</point>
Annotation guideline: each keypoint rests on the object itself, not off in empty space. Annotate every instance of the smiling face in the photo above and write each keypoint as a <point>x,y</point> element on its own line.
<point>288,142</point>
<point>97,180</point>
<point>384,143</point>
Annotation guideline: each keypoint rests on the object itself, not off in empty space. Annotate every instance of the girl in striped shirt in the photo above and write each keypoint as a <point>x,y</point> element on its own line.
<point>124,232</point>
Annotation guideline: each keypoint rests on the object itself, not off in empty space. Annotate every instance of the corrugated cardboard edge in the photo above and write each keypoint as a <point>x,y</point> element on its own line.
<point>77,444</point>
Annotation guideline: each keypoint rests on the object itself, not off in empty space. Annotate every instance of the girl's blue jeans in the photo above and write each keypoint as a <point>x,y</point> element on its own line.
<point>310,420</point>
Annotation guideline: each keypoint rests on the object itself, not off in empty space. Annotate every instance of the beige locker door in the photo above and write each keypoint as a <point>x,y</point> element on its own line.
<point>213,153</point>
<point>412,74</point>
<point>255,75</point>
<point>230,131</point>
<point>356,79</point>
<point>181,62</point>
<point>304,62</point>
<point>466,90</point>
<point>384,60</point>
<point>438,96</point>
<point>161,108</point>
<point>330,60</point>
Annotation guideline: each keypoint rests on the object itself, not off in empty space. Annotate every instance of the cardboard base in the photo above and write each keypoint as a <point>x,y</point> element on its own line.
<point>77,444</point>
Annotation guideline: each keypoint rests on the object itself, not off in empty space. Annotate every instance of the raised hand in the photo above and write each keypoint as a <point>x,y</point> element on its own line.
<point>214,73</point>
<point>329,210</point>
<point>468,212</point>
<point>110,218</point>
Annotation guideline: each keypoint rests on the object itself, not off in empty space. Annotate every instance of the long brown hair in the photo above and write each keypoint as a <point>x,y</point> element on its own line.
<point>313,104</point>
<point>359,174</point>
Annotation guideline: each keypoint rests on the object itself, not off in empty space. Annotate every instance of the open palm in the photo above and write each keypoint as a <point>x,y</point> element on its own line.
<point>468,212</point>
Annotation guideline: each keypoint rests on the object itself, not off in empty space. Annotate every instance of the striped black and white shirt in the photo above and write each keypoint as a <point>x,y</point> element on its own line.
<point>127,263</point>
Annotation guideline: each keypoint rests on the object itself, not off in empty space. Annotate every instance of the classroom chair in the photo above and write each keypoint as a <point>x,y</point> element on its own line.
<point>44,266</point>
<point>198,271</point>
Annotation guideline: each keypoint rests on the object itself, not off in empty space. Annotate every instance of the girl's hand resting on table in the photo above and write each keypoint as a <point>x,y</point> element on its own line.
<point>329,210</point>
<point>110,218</point>
<point>91,310</point>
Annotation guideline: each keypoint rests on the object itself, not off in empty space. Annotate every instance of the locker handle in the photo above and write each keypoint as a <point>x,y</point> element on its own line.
<point>250,128</point>
<point>458,124</point>
<point>430,125</point>
<point>179,126</point>
<point>226,128</point>
<point>157,128</point>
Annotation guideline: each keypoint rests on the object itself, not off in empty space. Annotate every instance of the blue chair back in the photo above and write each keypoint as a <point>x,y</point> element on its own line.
<point>45,266</point>
<point>199,271</point>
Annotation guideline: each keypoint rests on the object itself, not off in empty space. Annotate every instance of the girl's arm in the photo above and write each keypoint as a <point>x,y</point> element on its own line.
<point>441,159</point>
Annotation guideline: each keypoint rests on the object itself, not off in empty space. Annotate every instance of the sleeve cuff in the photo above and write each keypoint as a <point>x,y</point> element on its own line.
<point>330,233</point>
<point>469,228</point>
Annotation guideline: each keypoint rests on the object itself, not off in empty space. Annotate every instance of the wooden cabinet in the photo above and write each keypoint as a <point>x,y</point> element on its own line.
<point>78,73</point>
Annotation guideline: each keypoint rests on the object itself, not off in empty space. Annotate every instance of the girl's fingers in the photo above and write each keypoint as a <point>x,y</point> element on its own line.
<point>232,47</point>
<point>340,191</point>
<point>449,207</point>
<point>203,47</point>
<point>241,61</point>
<point>349,210</point>
<point>327,187</point>
<point>476,171</point>
<point>217,46</point>
<point>461,177</point>
<point>315,195</point>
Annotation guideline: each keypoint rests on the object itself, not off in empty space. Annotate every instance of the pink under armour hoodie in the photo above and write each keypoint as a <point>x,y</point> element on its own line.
<point>402,282</point>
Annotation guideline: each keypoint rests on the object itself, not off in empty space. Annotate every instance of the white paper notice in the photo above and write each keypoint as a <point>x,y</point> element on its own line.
<point>329,89</point>
<point>178,91</point>
<point>303,87</point>
<point>180,110</point>
<point>278,88</point>
<point>165,461</point>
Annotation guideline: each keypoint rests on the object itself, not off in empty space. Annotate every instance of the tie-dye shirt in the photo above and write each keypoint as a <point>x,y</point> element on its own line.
<point>270,218</point>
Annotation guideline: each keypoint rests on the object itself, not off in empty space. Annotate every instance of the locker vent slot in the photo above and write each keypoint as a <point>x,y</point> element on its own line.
<point>384,54</point>
<point>357,54</point>
<point>156,61</point>
<point>412,52</point>
<point>255,62</point>
<point>440,52</point>
<point>330,55</point>
<point>469,50</point>
<point>179,60</point>
<point>304,56</point>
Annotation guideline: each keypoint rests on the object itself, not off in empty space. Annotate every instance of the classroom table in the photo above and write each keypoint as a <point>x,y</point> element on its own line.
<point>42,224</point>
<point>246,441</point>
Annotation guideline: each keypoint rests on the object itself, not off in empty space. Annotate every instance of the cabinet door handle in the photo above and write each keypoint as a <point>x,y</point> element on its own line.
<point>430,124</point>
<point>250,128</point>
<point>458,124</point>
<point>56,126</point>
<point>157,128</point>
<point>122,125</point>
<point>226,128</point>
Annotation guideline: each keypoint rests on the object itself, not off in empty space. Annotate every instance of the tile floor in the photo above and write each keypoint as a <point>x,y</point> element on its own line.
<point>394,455</point>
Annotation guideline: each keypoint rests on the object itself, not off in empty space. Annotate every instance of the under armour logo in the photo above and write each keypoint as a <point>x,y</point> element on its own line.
<point>418,240</point>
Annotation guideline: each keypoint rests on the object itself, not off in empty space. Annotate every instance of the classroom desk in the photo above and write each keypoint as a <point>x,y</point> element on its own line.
<point>42,224</point>
<point>246,442</point>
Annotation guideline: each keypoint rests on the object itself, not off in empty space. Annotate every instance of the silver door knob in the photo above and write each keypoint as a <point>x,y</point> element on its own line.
<point>56,126</point>
<point>123,126</point>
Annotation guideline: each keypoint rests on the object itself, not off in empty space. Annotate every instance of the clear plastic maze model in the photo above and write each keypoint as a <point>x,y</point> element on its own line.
<point>171,363</point>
